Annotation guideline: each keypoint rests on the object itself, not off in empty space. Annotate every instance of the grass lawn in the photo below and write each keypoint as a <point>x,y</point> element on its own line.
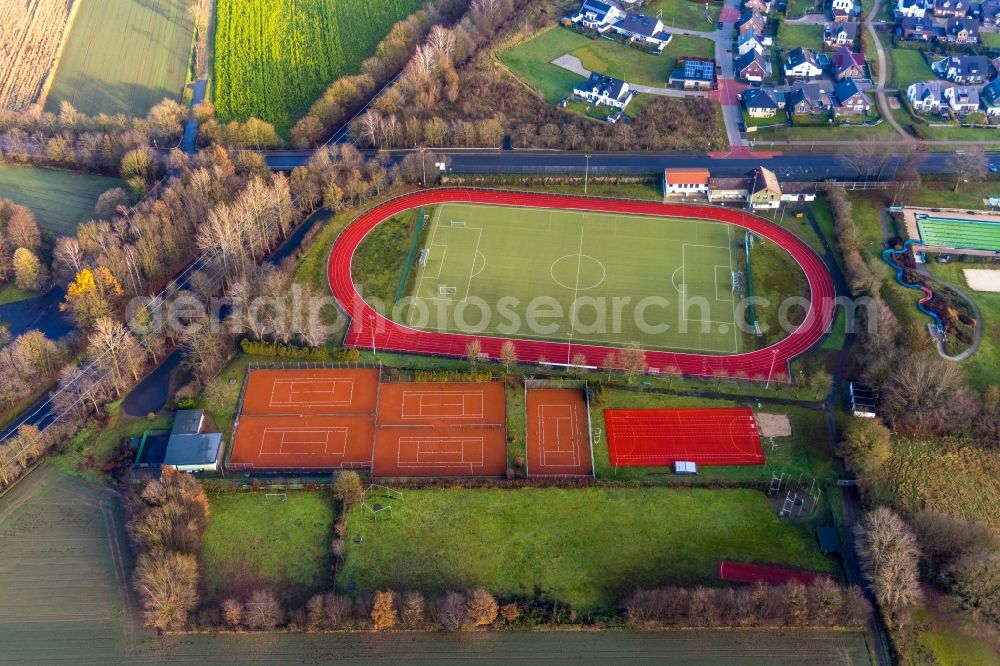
<point>806,451</point>
<point>908,66</point>
<point>588,547</point>
<point>990,39</point>
<point>11,293</point>
<point>92,447</point>
<point>983,368</point>
<point>273,58</point>
<point>798,8</point>
<point>380,259</point>
<point>580,262</point>
<point>124,56</point>
<point>947,638</point>
<point>792,36</point>
<point>253,540</point>
<point>60,200</point>
<point>531,61</point>
<point>685,14</point>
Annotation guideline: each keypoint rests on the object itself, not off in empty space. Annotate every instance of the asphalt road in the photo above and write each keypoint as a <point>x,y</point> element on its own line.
<point>804,166</point>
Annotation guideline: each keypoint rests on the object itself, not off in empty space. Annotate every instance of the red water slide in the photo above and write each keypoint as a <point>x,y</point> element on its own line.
<point>368,327</point>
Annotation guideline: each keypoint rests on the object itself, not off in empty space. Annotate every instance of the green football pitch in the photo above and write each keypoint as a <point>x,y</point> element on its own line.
<point>601,278</point>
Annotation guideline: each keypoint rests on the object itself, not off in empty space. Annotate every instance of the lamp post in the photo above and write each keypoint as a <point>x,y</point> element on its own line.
<point>371,323</point>
<point>586,174</point>
<point>774,357</point>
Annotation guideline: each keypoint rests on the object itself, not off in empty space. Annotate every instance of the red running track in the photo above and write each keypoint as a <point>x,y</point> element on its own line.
<point>369,326</point>
<point>771,574</point>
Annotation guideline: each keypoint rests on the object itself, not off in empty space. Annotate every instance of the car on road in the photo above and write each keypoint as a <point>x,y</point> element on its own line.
<point>742,126</point>
<point>719,26</point>
<point>994,168</point>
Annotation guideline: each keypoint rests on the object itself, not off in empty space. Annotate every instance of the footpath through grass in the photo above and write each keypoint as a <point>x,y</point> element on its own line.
<point>588,547</point>
<point>256,540</point>
<point>273,58</point>
<point>60,200</point>
<point>124,56</point>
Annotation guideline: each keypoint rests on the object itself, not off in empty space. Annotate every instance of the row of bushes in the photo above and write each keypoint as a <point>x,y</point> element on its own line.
<point>267,348</point>
<point>385,610</point>
<point>793,605</point>
<point>474,376</point>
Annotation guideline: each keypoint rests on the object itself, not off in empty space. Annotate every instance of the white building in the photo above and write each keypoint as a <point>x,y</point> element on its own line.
<point>605,91</point>
<point>598,15</point>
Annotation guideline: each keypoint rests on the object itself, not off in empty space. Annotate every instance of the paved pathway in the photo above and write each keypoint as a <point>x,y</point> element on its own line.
<point>809,19</point>
<point>883,68</point>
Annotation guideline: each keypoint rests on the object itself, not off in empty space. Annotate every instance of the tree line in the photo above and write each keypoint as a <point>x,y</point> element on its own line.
<point>453,92</point>
<point>71,139</point>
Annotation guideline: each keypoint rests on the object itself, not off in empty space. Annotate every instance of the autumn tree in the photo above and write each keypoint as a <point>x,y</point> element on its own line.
<point>481,607</point>
<point>413,610</point>
<point>888,551</point>
<point>92,295</point>
<point>975,580</point>
<point>232,612</point>
<point>508,354</point>
<point>110,201</point>
<point>167,583</point>
<point>633,360</point>
<point>866,445</point>
<point>384,610</point>
<point>473,350</point>
<point>22,228</point>
<point>28,270</point>
<point>347,487</point>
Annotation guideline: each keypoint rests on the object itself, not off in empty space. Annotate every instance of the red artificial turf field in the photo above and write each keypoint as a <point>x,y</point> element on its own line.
<point>370,327</point>
<point>660,437</point>
<point>743,572</point>
<point>558,433</point>
<point>441,429</point>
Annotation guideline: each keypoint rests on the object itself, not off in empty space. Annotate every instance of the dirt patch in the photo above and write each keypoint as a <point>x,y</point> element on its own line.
<point>774,425</point>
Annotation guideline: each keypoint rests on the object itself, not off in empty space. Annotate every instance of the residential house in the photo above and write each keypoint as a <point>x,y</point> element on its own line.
<point>764,190</point>
<point>919,30</point>
<point>962,31</point>
<point>752,67</point>
<point>751,20</point>
<point>963,69</point>
<point>926,96</point>
<point>844,10</point>
<point>694,74</point>
<point>840,34</point>
<point>598,15</point>
<point>762,6</point>
<point>847,65</point>
<point>762,102</point>
<point>749,41</point>
<point>810,99</point>
<point>990,98</point>
<point>850,99</point>
<point>643,29</point>
<point>910,8</point>
<point>685,182</point>
<point>954,8</point>
<point>604,90</point>
<point>801,63</point>
<point>962,99</point>
<point>987,12</point>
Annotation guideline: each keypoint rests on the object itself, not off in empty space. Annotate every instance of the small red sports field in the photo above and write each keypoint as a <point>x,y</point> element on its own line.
<point>332,418</point>
<point>769,574</point>
<point>558,433</point>
<point>661,437</point>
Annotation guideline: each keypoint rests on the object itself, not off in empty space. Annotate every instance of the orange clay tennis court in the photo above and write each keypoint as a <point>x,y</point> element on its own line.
<point>303,442</point>
<point>558,433</point>
<point>321,391</point>
<point>660,437</point>
<point>333,418</point>
<point>441,429</point>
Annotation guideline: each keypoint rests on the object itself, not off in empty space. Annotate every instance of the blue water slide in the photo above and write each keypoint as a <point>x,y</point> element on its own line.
<point>928,294</point>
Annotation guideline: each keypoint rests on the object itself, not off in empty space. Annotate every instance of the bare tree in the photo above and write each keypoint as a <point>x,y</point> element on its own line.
<point>925,394</point>
<point>633,360</point>
<point>167,583</point>
<point>473,350</point>
<point>969,166</point>
<point>508,354</point>
<point>262,611</point>
<point>889,555</point>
